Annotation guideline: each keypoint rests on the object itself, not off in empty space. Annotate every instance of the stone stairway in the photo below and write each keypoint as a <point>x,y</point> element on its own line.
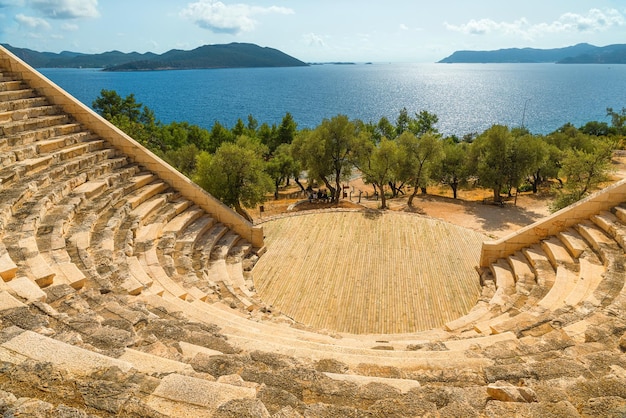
<point>123,295</point>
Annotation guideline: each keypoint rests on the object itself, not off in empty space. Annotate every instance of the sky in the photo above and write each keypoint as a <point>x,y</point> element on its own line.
<point>313,31</point>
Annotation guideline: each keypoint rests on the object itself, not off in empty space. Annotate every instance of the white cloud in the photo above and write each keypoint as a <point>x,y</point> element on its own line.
<point>312,39</point>
<point>221,18</point>
<point>66,9</point>
<point>32,22</point>
<point>403,26</point>
<point>69,27</point>
<point>594,21</point>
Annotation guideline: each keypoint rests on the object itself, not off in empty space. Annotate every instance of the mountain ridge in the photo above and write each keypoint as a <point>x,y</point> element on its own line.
<point>233,55</point>
<point>582,53</point>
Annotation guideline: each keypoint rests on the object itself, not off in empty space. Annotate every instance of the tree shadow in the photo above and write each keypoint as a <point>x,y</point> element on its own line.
<point>372,214</point>
<point>499,218</point>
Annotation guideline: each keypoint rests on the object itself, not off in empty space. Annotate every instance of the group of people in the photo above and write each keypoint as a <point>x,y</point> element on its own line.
<point>318,196</point>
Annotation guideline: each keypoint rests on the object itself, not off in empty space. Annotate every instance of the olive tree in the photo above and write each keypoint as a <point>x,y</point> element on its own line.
<point>235,174</point>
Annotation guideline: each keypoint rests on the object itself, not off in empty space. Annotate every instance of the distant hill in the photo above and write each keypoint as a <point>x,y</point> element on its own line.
<point>577,54</point>
<point>234,55</point>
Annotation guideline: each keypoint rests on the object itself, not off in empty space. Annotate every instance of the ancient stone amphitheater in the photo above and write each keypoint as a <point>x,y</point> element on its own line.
<point>126,291</point>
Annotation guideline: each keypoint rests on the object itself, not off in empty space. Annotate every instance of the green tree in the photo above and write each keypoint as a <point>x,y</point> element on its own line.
<point>419,157</point>
<point>110,104</point>
<point>281,166</point>
<point>522,158</point>
<point>183,159</point>
<point>325,152</point>
<point>252,126</point>
<point>286,130</point>
<point>584,168</point>
<point>239,128</point>
<point>378,163</point>
<point>618,120</point>
<point>453,168</point>
<point>490,153</point>
<point>218,136</point>
<point>402,122</point>
<point>235,174</point>
<point>423,122</point>
<point>384,129</point>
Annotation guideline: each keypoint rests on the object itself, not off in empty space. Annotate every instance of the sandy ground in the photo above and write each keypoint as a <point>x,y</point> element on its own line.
<point>467,210</point>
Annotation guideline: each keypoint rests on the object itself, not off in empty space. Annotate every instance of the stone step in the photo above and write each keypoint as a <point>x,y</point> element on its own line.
<point>68,273</point>
<point>223,246</point>
<point>598,240</point>
<point>138,273</point>
<point>10,95</point>
<point>522,272</point>
<point>180,395</point>
<point>520,323</point>
<point>10,105</point>
<point>234,326</point>
<point>235,274</point>
<point>8,302</point>
<point>403,385</point>
<point>183,220</point>
<point>75,360</point>
<point>146,192</point>
<point>590,277</point>
<point>188,237</point>
<point>612,226</point>
<point>153,365</point>
<point>28,113</point>
<point>38,270</point>
<point>11,85</point>
<point>149,261</point>
<point>143,211</point>
<point>8,268</point>
<point>620,213</point>
<point>574,243</point>
<point>474,316</point>
<point>27,125</point>
<point>27,289</point>
<point>565,282</point>
<point>505,282</point>
<point>42,134</point>
<point>557,253</point>
<point>544,272</point>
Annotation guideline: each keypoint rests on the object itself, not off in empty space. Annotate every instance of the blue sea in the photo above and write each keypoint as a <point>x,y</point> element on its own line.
<point>466,97</point>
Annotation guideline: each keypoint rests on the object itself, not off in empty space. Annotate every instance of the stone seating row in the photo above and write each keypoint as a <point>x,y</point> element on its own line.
<point>571,273</point>
<point>584,285</point>
<point>38,139</point>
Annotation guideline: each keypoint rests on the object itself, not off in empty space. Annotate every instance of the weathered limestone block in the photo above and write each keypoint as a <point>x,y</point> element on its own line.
<point>9,302</point>
<point>189,351</point>
<point>179,395</point>
<point>73,359</point>
<point>151,364</point>
<point>27,289</point>
<point>506,392</point>
<point>608,407</point>
<point>7,266</point>
<point>242,408</point>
